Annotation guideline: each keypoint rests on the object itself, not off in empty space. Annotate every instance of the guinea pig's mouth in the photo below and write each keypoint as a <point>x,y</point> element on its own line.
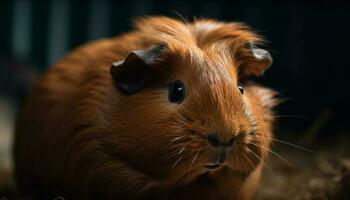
<point>213,166</point>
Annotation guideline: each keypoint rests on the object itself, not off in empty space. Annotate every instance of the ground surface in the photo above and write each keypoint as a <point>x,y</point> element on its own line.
<point>324,174</point>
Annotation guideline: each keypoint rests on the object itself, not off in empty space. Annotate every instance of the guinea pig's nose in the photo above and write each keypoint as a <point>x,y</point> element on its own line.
<point>215,141</point>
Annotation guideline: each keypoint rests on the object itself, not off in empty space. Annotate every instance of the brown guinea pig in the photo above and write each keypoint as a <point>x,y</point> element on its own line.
<point>162,112</point>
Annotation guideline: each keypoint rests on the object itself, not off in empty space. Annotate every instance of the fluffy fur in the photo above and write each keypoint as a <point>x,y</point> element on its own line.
<point>79,137</point>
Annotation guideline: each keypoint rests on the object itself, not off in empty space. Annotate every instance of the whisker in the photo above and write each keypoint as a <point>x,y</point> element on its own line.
<point>237,159</point>
<point>194,159</point>
<point>173,154</point>
<point>274,153</point>
<point>177,161</point>
<point>177,138</point>
<point>261,160</point>
<point>248,160</point>
<point>181,150</point>
<point>291,116</point>
<point>287,143</point>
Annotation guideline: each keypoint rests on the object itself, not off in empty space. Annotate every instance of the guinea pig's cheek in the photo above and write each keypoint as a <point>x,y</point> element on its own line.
<point>242,158</point>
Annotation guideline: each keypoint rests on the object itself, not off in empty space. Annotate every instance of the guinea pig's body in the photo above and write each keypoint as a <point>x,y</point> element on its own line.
<point>168,120</point>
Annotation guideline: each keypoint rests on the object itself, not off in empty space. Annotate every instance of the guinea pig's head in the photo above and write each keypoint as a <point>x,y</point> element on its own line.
<point>182,107</point>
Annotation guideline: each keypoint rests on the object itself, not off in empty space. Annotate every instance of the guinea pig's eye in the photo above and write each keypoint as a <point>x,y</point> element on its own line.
<point>240,89</point>
<point>177,92</point>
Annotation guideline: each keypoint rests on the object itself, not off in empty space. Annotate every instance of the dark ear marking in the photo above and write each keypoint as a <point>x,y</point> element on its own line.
<point>131,74</point>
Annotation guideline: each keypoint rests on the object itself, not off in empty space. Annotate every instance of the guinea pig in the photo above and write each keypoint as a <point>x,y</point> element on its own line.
<point>162,112</point>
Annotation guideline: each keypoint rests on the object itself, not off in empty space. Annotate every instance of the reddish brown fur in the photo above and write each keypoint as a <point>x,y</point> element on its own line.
<point>78,137</point>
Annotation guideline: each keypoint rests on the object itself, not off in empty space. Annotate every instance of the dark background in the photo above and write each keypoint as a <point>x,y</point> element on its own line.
<point>309,42</point>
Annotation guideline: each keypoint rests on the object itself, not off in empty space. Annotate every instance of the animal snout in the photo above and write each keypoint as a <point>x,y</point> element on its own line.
<point>221,146</point>
<point>215,141</point>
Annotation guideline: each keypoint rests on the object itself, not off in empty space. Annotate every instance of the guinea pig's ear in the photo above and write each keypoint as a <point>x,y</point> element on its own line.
<point>254,61</point>
<point>133,73</point>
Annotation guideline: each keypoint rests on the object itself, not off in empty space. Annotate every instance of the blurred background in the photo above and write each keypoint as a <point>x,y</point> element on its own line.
<point>309,41</point>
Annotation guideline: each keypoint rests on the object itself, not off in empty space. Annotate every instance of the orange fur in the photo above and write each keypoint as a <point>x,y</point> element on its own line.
<point>78,137</point>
